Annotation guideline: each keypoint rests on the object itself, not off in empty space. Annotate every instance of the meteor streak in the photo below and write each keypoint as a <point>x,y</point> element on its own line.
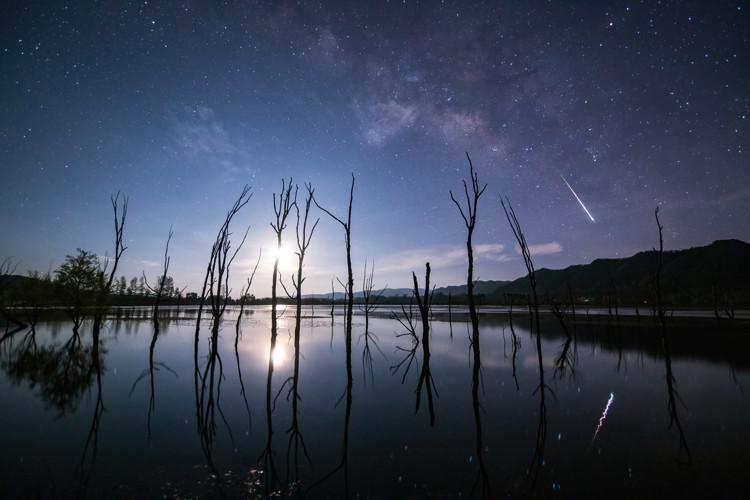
<point>577,198</point>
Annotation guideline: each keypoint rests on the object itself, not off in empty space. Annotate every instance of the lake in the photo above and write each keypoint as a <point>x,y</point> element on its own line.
<point>123,420</point>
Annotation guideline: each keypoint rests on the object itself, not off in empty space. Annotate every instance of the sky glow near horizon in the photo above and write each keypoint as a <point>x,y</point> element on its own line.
<point>180,105</point>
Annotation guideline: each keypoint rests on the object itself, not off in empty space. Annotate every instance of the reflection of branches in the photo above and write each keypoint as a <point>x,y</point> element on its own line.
<point>153,367</point>
<point>482,480</point>
<point>368,305</point>
<point>409,324</point>
<point>541,434</point>
<point>407,321</point>
<point>92,439</point>
<point>209,403</point>
<point>672,395</point>
<point>244,293</point>
<point>565,361</point>
<point>516,345</point>
<point>61,373</point>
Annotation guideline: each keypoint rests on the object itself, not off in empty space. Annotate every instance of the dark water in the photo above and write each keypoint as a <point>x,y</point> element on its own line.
<point>80,423</point>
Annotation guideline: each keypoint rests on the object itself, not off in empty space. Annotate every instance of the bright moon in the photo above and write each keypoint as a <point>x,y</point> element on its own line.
<point>287,258</point>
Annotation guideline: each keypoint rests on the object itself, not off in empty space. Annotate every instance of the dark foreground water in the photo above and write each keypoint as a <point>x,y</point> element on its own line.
<point>113,421</point>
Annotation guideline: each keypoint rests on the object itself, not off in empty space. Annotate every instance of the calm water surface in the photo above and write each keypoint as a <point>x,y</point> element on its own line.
<point>78,421</point>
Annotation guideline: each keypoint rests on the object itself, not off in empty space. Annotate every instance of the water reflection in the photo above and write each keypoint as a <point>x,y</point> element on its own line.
<point>97,440</point>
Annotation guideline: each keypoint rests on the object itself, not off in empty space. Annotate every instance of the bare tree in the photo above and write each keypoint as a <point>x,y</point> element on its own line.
<point>409,323</point>
<point>369,303</point>
<point>541,436</point>
<point>243,300</point>
<point>425,375</point>
<point>347,226</point>
<point>304,235</point>
<point>158,288</point>
<point>120,210</point>
<point>282,205</point>
<point>215,278</point>
<point>469,215</point>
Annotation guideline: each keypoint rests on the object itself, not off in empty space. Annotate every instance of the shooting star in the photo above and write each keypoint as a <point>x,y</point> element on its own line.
<point>577,198</point>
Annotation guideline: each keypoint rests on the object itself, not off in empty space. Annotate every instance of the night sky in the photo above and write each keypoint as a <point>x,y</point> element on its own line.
<point>178,104</point>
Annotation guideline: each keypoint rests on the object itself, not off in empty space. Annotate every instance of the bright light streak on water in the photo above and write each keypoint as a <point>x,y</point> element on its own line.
<point>604,416</point>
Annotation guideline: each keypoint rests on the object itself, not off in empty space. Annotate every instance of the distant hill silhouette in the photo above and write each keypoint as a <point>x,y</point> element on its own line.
<point>689,276</point>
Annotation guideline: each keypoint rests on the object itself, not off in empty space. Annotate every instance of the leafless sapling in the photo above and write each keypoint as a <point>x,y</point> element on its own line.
<point>158,288</point>
<point>541,437</point>
<point>369,304</point>
<point>672,395</point>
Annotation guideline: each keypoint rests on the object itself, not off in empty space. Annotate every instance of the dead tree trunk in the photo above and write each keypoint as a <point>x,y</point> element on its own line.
<point>204,409</point>
<point>158,290</point>
<point>281,208</point>
<point>347,226</point>
<point>102,298</point>
<point>425,375</point>
<point>541,436</point>
<point>470,220</point>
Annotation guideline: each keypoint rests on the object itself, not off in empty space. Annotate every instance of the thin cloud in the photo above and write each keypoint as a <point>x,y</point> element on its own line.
<point>543,248</point>
<point>441,256</point>
<point>202,137</point>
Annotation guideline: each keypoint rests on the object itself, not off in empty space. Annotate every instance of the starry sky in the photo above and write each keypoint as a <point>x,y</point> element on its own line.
<point>179,104</point>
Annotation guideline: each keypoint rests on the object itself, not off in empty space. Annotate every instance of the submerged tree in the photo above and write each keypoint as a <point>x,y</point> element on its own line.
<point>120,210</point>
<point>407,320</point>
<point>159,286</point>
<point>304,235</point>
<point>369,303</point>
<point>425,375</point>
<point>207,384</point>
<point>469,215</point>
<point>672,395</point>
<point>347,226</point>
<point>282,205</point>
<point>541,435</point>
